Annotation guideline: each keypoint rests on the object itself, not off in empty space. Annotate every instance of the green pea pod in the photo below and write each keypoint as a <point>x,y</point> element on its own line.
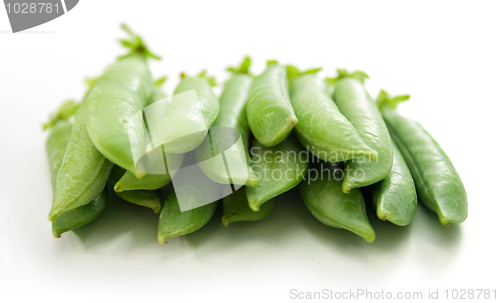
<point>232,116</point>
<point>188,116</point>
<point>129,181</point>
<point>322,194</point>
<point>84,170</point>
<point>395,198</point>
<point>359,108</point>
<point>120,93</point>
<point>147,198</point>
<point>322,129</point>
<point>280,168</point>
<point>60,132</point>
<point>270,114</point>
<point>80,216</point>
<point>56,145</point>
<point>174,223</point>
<point>235,208</point>
<point>437,181</point>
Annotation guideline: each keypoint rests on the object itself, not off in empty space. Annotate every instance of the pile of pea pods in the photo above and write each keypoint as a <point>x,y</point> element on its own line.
<point>358,151</point>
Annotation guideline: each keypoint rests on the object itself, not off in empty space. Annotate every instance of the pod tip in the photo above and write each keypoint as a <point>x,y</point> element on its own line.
<point>139,175</point>
<point>382,215</point>
<point>162,239</point>
<point>252,180</point>
<point>293,121</point>
<point>52,216</point>
<point>370,237</point>
<point>346,189</point>
<point>225,221</point>
<point>254,206</point>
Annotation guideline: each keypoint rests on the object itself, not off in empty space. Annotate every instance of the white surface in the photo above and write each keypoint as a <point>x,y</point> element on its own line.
<point>445,54</point>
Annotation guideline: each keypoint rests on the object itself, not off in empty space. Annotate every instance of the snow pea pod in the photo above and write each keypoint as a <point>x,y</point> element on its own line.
<point>235,208</point>
<point>270,114</point>
<point>174,223</point>
<point>147,198</point>
<point>322,129</point>
<point>188,116</point>
<point>359,108</point>
<point>118,94</point>
<point>56,145</point>
<point>80,216</point>
<point>437,181</point>
<point>232,116</point>
<point>280,168</point>
<point>129,181</point>
<point>60,132</point>
<point>322,194</point>
<point>395,197</point>
<point>83,172</point>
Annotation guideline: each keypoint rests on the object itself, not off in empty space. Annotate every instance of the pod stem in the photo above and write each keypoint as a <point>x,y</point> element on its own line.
<point>203,74</point>
<point>343,73</point>
<point>244,67</point>
<point>66,110</point>
<point>384,99</point>
<point>136,45</point>
<point>160,81</point>
<point>293,72</point>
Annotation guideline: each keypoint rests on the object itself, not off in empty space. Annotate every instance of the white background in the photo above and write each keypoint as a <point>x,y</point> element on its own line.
<point>445,54</point>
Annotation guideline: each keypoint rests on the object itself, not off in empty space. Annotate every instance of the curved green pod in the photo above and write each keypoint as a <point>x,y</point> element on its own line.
<point>80,216</point>
<point>174,223</point>
<point>193,109</point>
<point>325,199</point>
<point>359,108</point>
<point>270,114</point>
<point>280,168</point>
<point>438,183</point>
<point>232,116</point>
<point>83,172</point>
<point>322,129</point>
<point>118,94</point>
<point>235,208</point>
<point>395,197</point>
<point>129,181</point>
<point>60,132</point>
<point>147,198</point>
